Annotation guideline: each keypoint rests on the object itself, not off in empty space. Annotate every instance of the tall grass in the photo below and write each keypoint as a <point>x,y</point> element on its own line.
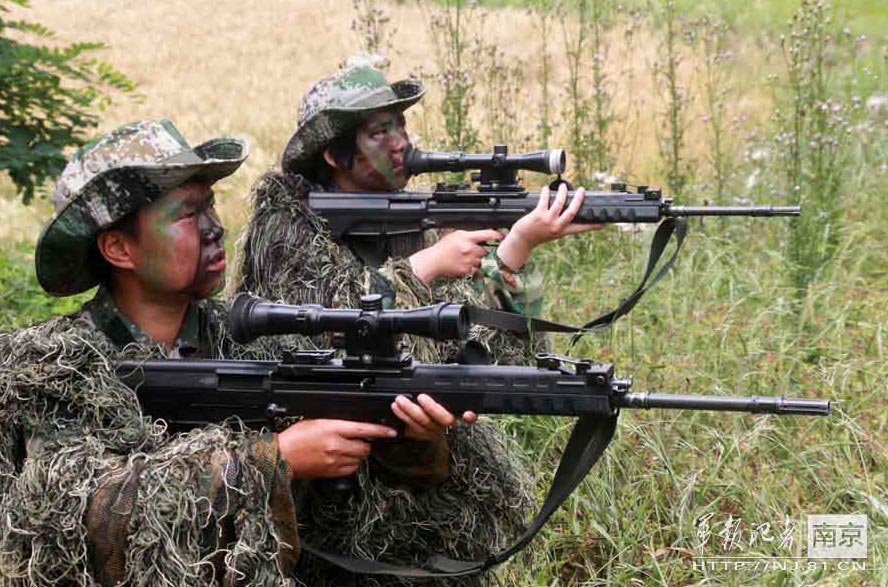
<point>813,135</point>
<point>455,32</point>
<point>712,43</point>
<point>372,25</point>
<point>676,97</point>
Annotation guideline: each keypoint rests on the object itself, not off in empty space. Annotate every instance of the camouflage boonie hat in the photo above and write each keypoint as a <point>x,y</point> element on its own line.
<point>337,104</point>
<point>113,177</point>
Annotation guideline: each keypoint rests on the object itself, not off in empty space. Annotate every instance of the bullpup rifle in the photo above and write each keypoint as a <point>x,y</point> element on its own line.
<point>499,199</point>
<point>362,382</point>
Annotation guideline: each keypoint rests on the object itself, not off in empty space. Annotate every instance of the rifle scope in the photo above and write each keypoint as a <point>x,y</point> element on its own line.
<point>548,161</point>
<point>251,317</point>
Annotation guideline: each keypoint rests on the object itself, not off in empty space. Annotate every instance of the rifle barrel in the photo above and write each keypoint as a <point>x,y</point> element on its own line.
<point>732,211</point>
<point>755,405</point>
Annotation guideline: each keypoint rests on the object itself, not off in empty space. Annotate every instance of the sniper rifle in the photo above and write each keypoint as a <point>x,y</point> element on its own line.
<point>499,199</point>
<point>365,219</point>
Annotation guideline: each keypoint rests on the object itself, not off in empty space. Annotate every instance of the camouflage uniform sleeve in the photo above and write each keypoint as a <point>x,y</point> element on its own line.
<point>125,506</point>
<point>92,491</point>
<point>524,296</point>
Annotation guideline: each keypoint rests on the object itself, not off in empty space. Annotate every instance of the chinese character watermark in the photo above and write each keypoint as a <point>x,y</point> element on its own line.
<point>837,536</point>
<point>730,543</point>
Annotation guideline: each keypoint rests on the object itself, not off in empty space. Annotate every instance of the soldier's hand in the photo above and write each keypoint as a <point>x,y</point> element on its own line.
<point>551,221</point>
<point>426,419</point>
<point>457,254</point>
<point>328,448</point>
<point>547,222</point>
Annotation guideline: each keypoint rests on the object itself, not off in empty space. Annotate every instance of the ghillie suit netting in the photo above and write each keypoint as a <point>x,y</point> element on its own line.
<point>93,492</point>
<point>287,255</point>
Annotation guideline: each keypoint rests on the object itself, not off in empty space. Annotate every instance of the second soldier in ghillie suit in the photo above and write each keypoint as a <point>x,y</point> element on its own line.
<point>351,137</point>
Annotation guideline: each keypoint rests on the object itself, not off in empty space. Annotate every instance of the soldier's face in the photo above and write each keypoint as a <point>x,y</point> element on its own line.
<point>379,161</point>
<point>179,245</point>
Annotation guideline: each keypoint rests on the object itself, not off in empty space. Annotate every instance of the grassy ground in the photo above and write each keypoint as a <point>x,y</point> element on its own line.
<point>727,321</point>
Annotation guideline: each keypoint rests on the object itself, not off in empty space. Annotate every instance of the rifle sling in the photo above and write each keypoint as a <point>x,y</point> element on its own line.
<point>590,437</point>
<point>523,324</point>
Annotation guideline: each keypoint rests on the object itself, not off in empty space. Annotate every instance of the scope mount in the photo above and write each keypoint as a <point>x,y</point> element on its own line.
<point>368,343</point>
<point>498,177</point>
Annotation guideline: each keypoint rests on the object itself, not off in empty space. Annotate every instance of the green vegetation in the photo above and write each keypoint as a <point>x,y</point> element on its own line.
<point>726,323</point>
<point>865,16</point>
<point>792,308</point>
<point>48,97</point>
<point>22,301</point>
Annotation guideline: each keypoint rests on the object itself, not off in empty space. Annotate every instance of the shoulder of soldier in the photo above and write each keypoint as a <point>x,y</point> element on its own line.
<point>275,189</point>
<point>70,335</point>
<point>278,196</point>
<point>77,323</point>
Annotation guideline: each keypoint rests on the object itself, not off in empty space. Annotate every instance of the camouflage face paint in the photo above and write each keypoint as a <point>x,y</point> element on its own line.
<point>179,250</point>
<point>211,266</point>
<point>381,141</point>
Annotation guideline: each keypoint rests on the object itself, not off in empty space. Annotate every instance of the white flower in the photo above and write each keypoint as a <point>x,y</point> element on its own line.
<point>364,59</point>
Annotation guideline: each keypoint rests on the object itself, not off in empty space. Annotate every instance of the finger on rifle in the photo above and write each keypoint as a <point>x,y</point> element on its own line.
<point>543,204</point>
<point>575,203</point>
<point>412,415</point>
<point>480,237</point>
<point>354,450</point>
<point>361,430</point>
<point>560,199</point>
<point>436,411</point>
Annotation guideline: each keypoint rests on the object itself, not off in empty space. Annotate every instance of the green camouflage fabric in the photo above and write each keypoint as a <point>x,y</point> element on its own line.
<point>113,177</point>
<point>191,341</point>
<point>338,103</point>
<point>522,295</point>
<point>287,254</point>
<point>93,492</point>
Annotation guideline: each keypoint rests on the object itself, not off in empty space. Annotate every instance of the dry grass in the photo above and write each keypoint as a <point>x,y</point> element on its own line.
<point>240,67</point>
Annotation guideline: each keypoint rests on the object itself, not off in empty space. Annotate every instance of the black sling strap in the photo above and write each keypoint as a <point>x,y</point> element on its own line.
<point>520,323</point>
<point>590,437</point>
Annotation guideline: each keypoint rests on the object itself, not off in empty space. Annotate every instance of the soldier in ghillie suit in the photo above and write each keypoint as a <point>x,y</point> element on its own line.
<point>351,137</point>
<point>91,491</point>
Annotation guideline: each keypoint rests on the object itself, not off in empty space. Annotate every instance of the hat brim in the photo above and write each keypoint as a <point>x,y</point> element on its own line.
<point>314,134</point>
<point>63,249</point>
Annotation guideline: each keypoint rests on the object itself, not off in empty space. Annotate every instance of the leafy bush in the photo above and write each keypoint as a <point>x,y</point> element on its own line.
<point>48,97</point>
